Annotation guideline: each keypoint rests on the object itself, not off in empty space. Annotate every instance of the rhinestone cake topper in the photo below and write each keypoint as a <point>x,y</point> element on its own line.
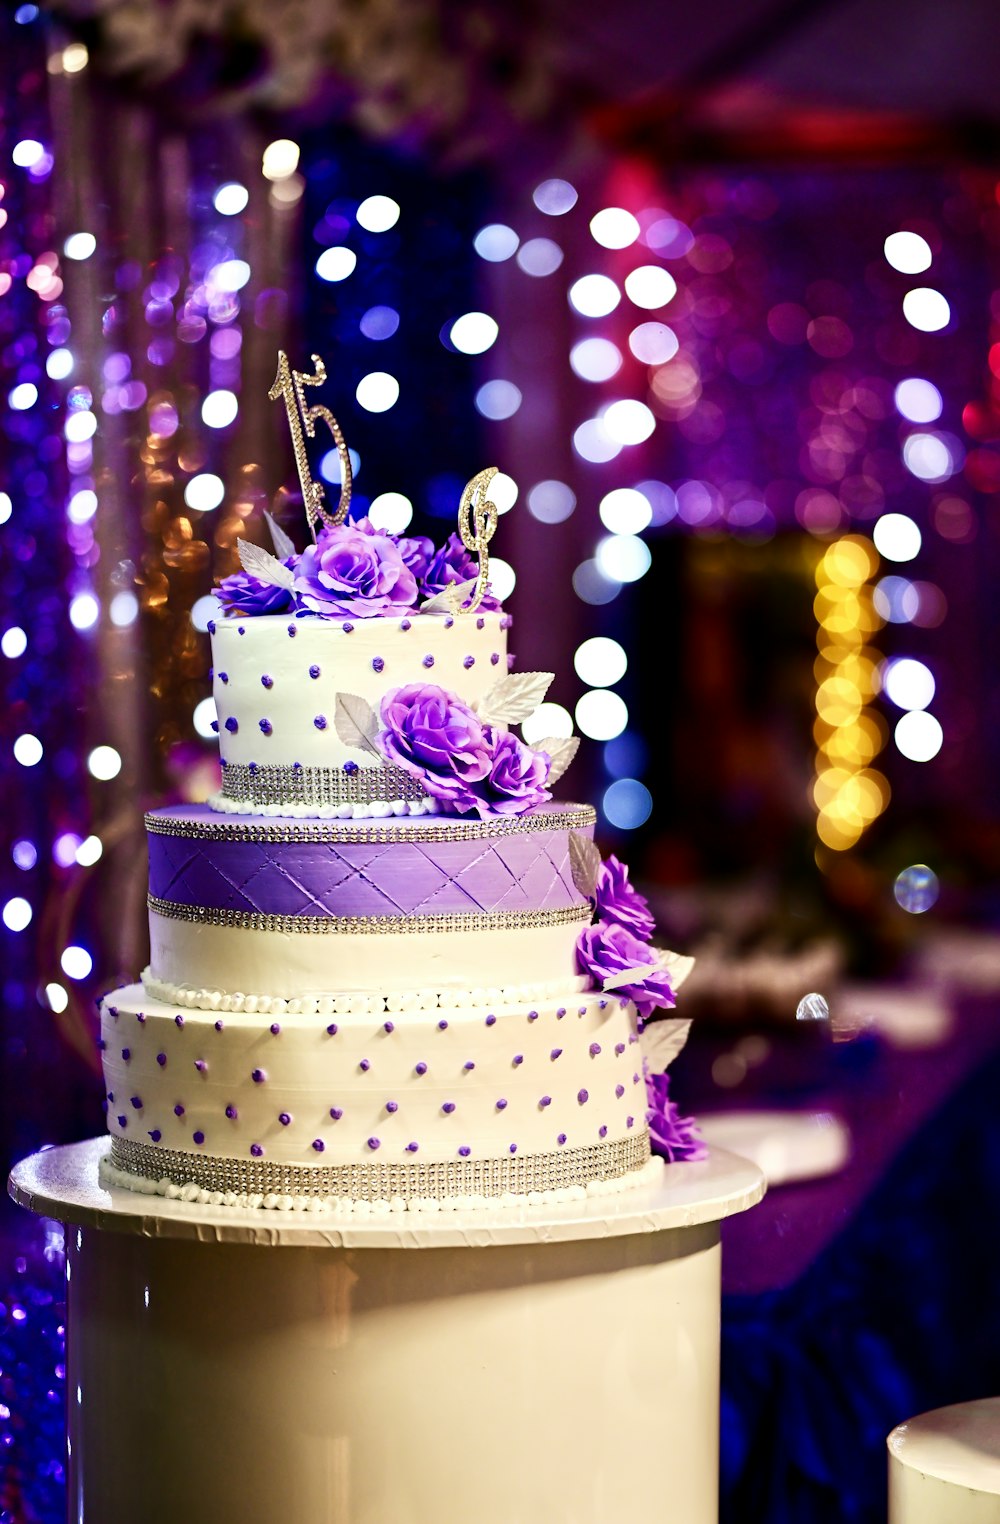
<point>290,385</point>
<point>477,521</point>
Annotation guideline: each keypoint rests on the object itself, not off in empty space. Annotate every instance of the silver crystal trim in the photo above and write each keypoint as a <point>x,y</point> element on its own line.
<point>514,1174</point>
<point>420,828</point>
<point>274,784</point>
<point>486,920</point>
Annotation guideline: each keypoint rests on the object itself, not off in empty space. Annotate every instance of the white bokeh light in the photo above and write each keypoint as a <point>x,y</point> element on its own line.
<point>377,214</point>
<point>629,421</point>
<point>592,586</point>
<point>76,962</point>
<point>6,507</point>
<point>17,914</point>
<point>84,611</point>
<point>625,511</point>
<point>280,159</point>
<point>551,502</point>
<point>503,494</point>
<point>908,252</point>
<point>123,609</point>
<point>927,457</point>
<point>204,492</point>
<point>553,197</point>
<point>918,736</point>
<point>595,359</point>
<point>496,242</point>
<point>653,343</point>
<point>896,599</point>
<point>204,610</point>
<point>600,662</point>
<point>23,396</point>
<point>547,720</point>
<point>219,409</point>
<point>592,442</point>
<point>594,296</point>
<point>926,309</point>
<point>336,263</point>
<point>28,750</point>
<point>377,392</point>
<point>57,997</point>
<point>80,426</point>
<point>918,400</point>
<point>231,275</point>
<point>502,578</point>
<point>474,332</point>
<point>539,257</point>
<point>614,228</point>
<point>498,399</point>
<point>896,537</point>
<point>622,557</point>
<point>89,852</point>
<point>79,246</point>
<point>204,713</point>
<point>650,286</point>
<point>104,763</point>
<point>59,364</point>
<point>601,715</point>
<point>230,199</point>
<point>908,683</point>
<point>27,153</point>
<point>391,511</point>
<point>13,642</point>
<point>82,506</point>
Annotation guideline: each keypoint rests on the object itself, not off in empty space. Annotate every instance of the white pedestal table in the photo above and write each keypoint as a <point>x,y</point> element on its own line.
<point>530,1365</point>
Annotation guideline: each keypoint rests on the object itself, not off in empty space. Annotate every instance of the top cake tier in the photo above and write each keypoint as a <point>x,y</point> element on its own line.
<point>276,680</point>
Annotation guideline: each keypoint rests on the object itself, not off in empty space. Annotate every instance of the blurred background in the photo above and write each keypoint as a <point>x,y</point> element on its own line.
<point>719,293</point>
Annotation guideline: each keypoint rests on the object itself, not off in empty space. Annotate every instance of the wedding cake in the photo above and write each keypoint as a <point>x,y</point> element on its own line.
<point>388,970</point>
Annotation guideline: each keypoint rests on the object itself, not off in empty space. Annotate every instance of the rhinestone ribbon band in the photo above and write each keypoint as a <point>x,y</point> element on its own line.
<point>516,1174</point>
<point>422,828</point>
<point>251,920</point>
<point>269,783</point>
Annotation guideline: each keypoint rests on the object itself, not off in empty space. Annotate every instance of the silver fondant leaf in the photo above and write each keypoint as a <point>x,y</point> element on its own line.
<point>356,723</point>
<point>450,599</point>
<point>514,697</point>
<point>662,1040</point>
<point>284,546</point>
<point>585,862</point>
<point>262,565</point>
<point>629,976</point>
<point>678,966</point>
<point>560,750</point>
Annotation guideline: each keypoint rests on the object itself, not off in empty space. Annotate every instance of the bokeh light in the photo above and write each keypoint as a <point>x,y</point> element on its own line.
<point>377,392</point>
<point>926,309</point>
<point>601,714</point>
<point>548,720</point>
<point>28,750</point>
<point>653,343</point>
<point>918,400</point>
<point>650,286</point>
<point>204,492</point>
<point>625,510</point>
<point>627,804</point>
<point>594,296</point>
<point>908,252</point>
<point>336,263</point>
<point>76,962</point>
<point>496,242</point>
<point>205,717</point>
<point>498,399</point>
<point>84,611</point>
<point>79,246</point>
<point>104,763</point>
<point>600,662</point>
<point>896,537</point>
<point>539,257</point>
<point>551,501</point>
<point>554,197</point>
<point>219,409</point>
<point>379,323</point>
<point>918,736</point>
<point>17,913</point>
<point>927,457</point>
<point>391,511</point>
<point>231,198</point>
<point>595,359</point>
<point>474,332</point>
<point>503,494</point>
<point>377,214</point>
<point>13,642</point>
<point>908,683</point>
<point>916,889</point>
<point>614,228</point>
<point>280,160</point>
<point>629,421</point>
<point>502,578</point>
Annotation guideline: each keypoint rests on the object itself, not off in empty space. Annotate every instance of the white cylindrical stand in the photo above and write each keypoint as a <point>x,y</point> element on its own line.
<point>945,1465</point>
<point>544,1365</point>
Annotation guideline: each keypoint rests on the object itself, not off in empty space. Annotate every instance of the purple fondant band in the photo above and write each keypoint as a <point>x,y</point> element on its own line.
<point>529,871</point>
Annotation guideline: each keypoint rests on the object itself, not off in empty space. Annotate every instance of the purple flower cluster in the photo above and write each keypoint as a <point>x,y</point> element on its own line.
<point>671,1135</point>
<point>618,940</point>
<point>616,900</point>
<point>458,759</point>
<point>355,570</point>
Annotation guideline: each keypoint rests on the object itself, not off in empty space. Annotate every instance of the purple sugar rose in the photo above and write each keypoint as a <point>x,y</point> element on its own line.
<point>243,594</point>
<point>433,735</point>
<point>617,901</point>
<point>517,777</point>
<point>417,552</point>
<point>604,950</point>
<point>671,1136</point>
<point>354,569</point>
<point>451,565</point>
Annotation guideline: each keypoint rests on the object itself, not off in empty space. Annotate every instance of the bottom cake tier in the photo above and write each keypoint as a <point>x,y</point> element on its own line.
<point>427,1109</point>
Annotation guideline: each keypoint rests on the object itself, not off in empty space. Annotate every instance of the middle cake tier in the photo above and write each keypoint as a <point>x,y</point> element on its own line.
<point>294,910</point>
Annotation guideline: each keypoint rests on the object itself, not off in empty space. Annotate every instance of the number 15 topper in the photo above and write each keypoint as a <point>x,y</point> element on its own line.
<point>290,385</point>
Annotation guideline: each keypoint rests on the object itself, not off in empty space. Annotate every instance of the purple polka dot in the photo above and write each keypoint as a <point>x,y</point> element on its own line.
<point>464,1151</point>
<point>468,1066</point>
<point>199,1137</point>
<point>320,722</point>
<point>480,623</point>
<point>267,682</point>
<point>555,1053</point>
<point>378,663</point>
<point>211,626</point>
<point>223,677</point>
<point>428,661</point>
<point>364,1065</point>
<point>404,624</point>
<point>513,1148</point>
<point>442,1025</point>
<point>448,622</point>
<point>350,768</point>
<point>629,1121</point>
<point>275,1028</point>
<point>635,1079</point>
<point>137,1102</point>
<point>501,1104</point>
<point>619,1091</point>
<point>101,1044</point>
<point>602,1005</point>
<point>256,1150</point>
<point>561,1139</point>
<point>561,1012</point>
<point>258,1076</point>
<point>232,1113</point>
<point>123,1121</point>
<point>347,627</point>
<point>126,1054</point>
<point>391,1106</point>
<point>388,1026</point>
<point>232,725</point>
<point>214,725</point>
<point>374,1143</point>
<point>491,1020</point>
<point>266,728</point>
<point>517,1059</point>
<point>583,1096</point>
<point>200,1065</point>
<point>178,1021</point>
<point>411,1148</point>
<point>218,1026</point>
<point>582,1011</point>
<point>292,631</point>
<point>178,1110</point>
<point>156,1135</point>
<point>336,1112</point>
<point>314,670</point>
<point>284,1117</point>
<point>241,629</point>
<point>619,1049</point>
<point>420,1068</point>
<point>113,1011</point>
<point>468,661</point>
<point>140,1017</point>
<point>318,1145</point>
<point>595,1048</point>
<point>602,1132</point>
<point>546,1100</point>
<point>448,1107</point>
<point>331,1030</point>
<point>161,1059</point>
<point>494,658</point>
<point>532,1015</point>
